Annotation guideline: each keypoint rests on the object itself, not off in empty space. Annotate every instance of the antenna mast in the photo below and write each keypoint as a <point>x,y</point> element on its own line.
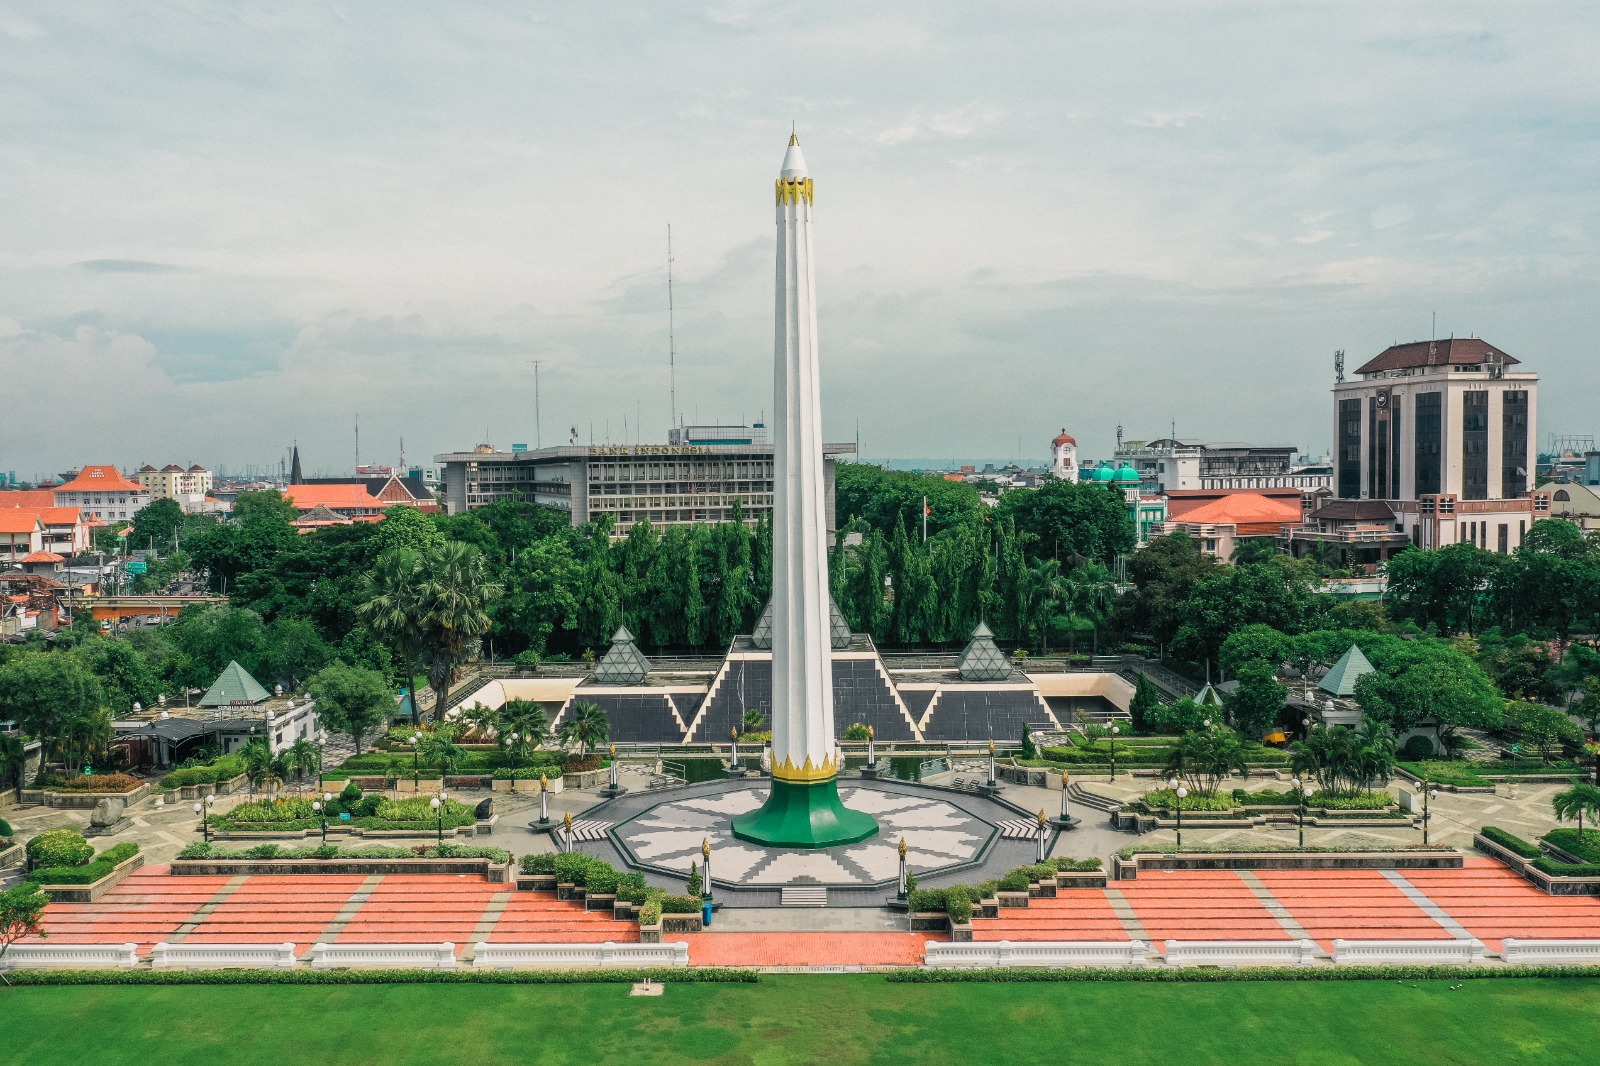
<point>538,418</point>
<point>358,441</point>
<point>672,340</point>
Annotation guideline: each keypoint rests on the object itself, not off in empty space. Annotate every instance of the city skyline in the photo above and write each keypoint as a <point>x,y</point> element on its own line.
<point>1052,216</point>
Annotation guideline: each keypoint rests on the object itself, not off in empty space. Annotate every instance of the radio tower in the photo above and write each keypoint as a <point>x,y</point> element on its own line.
<point>672,342</point>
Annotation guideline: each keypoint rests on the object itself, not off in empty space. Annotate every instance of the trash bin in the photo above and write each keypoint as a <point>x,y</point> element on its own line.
<point>705,914</point>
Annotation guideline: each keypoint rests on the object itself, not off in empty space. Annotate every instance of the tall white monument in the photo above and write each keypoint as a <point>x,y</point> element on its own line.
<point>803,809</point>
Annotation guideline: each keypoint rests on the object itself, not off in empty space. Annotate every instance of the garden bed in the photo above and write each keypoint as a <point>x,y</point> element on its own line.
<point>1545,874</point>
<point>93,890</point>
<point>490,868</point>
<point>84,800</point>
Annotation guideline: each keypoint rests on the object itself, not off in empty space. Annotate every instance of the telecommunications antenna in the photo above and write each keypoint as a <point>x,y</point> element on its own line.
<point>672,342</point>
<point>1338,367</point>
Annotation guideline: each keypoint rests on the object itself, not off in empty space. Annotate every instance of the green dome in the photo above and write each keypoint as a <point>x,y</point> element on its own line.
<point>1127,475</point>
<point>1103,472</point>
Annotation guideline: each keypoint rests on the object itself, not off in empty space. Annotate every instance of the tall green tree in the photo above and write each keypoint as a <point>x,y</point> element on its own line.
<point>351,700</point>
<point>1277,594</point>
<point>155,524</point>
<point>586,727</point>
<point>1256,704</point>
<point>456,593</point>
<point>1063,519</point>
<point>393,605</point>
<point>408,528</point>
<point>46,694</point>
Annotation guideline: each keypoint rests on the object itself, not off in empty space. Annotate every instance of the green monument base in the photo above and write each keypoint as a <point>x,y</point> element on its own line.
<point>804,814</point>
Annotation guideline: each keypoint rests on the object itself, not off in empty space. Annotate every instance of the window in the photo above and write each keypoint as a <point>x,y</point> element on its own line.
<point>1348,456</point>
<point>1513,444</point>
<point>1429,431</point>
<point>1563,496</point>
<point>1505,539</point>
<point>1475,445</point>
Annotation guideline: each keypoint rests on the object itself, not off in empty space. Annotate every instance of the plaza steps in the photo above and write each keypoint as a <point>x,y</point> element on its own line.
<point>804,896</point>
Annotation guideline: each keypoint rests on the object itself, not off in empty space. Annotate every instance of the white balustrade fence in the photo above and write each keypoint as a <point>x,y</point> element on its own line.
<point>1408,952</point>
<point>186,956</point>
<point>563,956</point>
<point>1241,952</point>
<point>384,956</point>
<point>72,956</point>
<point>1550,952</point>
<point>1111,954</point>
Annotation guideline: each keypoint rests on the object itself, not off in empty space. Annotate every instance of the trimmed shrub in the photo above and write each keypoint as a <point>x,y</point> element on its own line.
<point>573,764</point>
<point>958,903</point>
<point>650,913</point>
<point>541,862</point>
<point>1417,748</point>
<point>1195,801</point>
<point>1459,774</point>
<point>5,829</point>
<point>680,904</point>
<point>350,794</point>
<point>1015,881</point>
<point>57,848</point>
<point>1567,869</point>
<point>88,874</point>
<point>1511,842</point>
<point>1065,864</point>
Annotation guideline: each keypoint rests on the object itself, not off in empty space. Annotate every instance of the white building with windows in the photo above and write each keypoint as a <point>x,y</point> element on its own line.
<point>103,492</point>
<point>1437,437</point>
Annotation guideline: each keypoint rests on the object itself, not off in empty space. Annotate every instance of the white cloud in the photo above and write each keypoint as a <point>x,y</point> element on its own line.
<point>393,209</point>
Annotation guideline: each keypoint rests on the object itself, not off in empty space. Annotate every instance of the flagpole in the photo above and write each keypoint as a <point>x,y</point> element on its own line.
<point>924,519</point>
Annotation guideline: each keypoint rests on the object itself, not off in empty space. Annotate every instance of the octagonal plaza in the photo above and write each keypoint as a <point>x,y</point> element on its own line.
<point>951,836</point>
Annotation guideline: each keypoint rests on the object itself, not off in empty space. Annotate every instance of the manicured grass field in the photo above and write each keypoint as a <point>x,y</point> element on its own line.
<point>802,1019</point>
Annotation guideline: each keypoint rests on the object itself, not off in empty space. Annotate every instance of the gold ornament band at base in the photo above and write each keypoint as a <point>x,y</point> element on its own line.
<point>794,190</point>
<point>806,772</point>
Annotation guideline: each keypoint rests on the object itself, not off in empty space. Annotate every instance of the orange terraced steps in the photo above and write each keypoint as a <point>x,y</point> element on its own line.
<point>536,918</point>
<point>804,949</point>
<point>1199,905</point>
<point>1350,905</point>
<point>1494,903</point>
<point>148,906</point>
<point>421,909</point>
<point>277,909</point>
<point>1075,914</point>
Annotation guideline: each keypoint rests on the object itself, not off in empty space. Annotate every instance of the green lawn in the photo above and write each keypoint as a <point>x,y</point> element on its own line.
<point>804,1019</point>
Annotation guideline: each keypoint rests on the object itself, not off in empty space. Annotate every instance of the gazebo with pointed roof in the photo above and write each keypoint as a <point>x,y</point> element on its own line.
<point>234,686</point>
<point>982,659</point>
<point>623,663</point>
<point>1341,678</point>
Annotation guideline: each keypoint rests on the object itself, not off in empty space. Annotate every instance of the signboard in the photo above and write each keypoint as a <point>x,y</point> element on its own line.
<point>138,566</point>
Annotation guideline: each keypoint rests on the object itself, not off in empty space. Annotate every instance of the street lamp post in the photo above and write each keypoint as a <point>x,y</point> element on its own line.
<point>322,813</point>
<point>1306,793</point>
<point>1181,793</point>
<point>733,760</point>
<point>872,747</point>
<point>544,800</point>
<point>1428,792</point>
<point>416,775</point>
<point>902,893</point>
<point>514,737</point>
<point>205,823</point>
<point>1114,731</point>
<point>1299,809</point>
<point>437,803</point>
<point>1066,800</point>
<point>991,763</point>
<point>705,855</point>
<point>1043,824</point>
<point>566,831</point>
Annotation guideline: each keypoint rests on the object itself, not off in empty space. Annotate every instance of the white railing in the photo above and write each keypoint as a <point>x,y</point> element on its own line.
<point>563,956</point>
<point>384,956</point>
<point>1241,952</point>
<point>1004,954</point>
<point>1550,951</point>
<point>72,956</point>
<point>185,956</point>
<point>1422,952</point>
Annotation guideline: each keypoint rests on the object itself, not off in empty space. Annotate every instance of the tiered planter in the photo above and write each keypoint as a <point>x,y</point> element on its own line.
<point>491,871</point>
<point>1418,859</point>
<point>84,800</point>
<point>1549,883</point>
<point>94,889</point>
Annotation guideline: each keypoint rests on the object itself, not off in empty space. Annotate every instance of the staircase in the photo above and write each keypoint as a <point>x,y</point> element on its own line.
<point>804,896</point>
<point>1093,800</point>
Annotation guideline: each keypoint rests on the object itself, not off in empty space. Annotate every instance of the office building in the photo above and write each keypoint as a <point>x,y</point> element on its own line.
<point>1174,463</point>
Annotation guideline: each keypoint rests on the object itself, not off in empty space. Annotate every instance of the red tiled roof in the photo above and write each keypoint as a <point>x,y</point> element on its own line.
<point>31,499</point>
<point>42,557</point>
<point>19,521</point>
<point>1244,508</point>
<point>59,516</point>
<point>100,479</point>
<point>1456,351</point>
<point>1181,503</point>
<point>344,494</point>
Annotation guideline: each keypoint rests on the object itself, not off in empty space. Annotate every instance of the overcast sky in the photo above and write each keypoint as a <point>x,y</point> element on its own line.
<point>227,226</point>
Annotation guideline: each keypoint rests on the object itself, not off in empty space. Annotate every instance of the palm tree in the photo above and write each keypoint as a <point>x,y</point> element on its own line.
<point>525,720</point>
<point>302,758</point>
<point>257,759</point>
<point>1092,594</point>
<point>1581,799</point>
<point>754,720</point>
<point>586,727</point>
<point>1376,749</point>
<point>276,774</point>
<point>439,747</point>
<point>481,720</point>
<point>390,603</point>
<point>456,592</point>
<point>1203,757</point>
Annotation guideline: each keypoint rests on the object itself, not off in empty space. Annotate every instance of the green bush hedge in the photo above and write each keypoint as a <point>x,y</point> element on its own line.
<point>1511,842</point>
<point>88,874</point>
<point>1368,801</point>
<point>540,862</point>
<point>1167,799</point>
<point>1206,975</point>
<point>6,831</point>
<point>1585,847</point>
<point>225,768</point>
<point>200,850</point>
<point>650,913</point>
<point>368,812</point>
<point>683,975</point>
<point>59,848</point>
<point>1459,774</point>
<point>680,904</point>
<point>1567,869</point>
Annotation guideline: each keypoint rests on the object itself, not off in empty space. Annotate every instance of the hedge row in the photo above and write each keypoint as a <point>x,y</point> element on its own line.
<point>225,768</point>
<point>200,850</point>
<point>1585,847</point>
<point>1511,842</point>
<point>674,975</point>
<point>102,865</point>
<point>1268,849</point>
<point>1247,973</point>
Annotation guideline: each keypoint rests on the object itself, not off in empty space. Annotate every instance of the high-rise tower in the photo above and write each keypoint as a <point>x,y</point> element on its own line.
<point>803,809</point>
